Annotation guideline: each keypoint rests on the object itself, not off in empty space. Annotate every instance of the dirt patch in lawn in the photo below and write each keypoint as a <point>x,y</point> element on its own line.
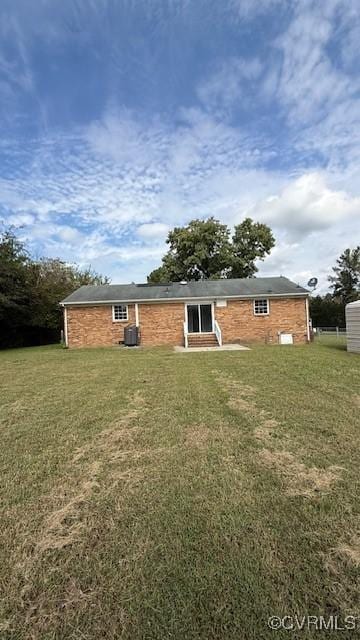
<point>300,480</point>
<point>266,430</point>
<point>242,399</point>
<point>70,515</point>
<point>130,477</point>
<point>121,431</point>
<point>197,435</point>
<point>241,396</point>
<point>139,454</point>
<point>64,526</point>
<point>350,552</point>
<point>74,596</point>
<point>201,436</point>
<point>356,400</point>
<point>342,563</point>
<point>40,616</point>
<point>241,403</point>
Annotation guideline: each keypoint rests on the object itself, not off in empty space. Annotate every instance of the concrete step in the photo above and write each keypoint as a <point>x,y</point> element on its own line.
<point>202,340</point>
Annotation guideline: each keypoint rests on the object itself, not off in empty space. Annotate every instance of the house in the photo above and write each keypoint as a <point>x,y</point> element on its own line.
<point>352,312</point>
<point>206,312</point>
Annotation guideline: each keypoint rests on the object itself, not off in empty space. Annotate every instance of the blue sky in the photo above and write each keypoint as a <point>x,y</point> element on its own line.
<point>123,118</point>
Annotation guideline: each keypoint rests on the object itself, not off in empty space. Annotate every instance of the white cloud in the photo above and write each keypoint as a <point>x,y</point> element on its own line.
<point>108,193</point>
<point>203,168</point>
<point>122,135</point>
<point>306,205</point>
<point>336,137</point>
<point>20,220</point>
<point>230,84</point>
<point>153,231</point>
<point>315,82</point>
<point>309,83</point>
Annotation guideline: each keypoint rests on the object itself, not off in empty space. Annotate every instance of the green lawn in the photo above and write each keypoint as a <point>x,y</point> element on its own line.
<point>151,495</point>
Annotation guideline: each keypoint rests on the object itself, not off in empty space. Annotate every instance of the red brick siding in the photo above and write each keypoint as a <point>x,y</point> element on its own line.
<point>162,323</point>
<point>239,324</point>
<point>94,326</point>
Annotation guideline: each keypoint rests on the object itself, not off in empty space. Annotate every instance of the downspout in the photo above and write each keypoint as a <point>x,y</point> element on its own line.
<point>307,318</point>
<point>66,327</point>
<point>137,321</point>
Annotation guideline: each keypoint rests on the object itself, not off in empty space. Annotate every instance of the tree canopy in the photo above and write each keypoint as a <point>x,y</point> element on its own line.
<point>329,310</point>
<point>345,282</point>
<point>326,311</point>
<point>204,249</point>
<point>30,292</point>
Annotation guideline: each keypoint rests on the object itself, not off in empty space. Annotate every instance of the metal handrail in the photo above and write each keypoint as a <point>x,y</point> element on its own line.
<point>218,333</point>
<point>185,336</point>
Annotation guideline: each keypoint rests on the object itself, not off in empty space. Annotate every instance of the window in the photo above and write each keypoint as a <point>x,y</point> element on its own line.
<point>120,312</point>
<point>261,307</point>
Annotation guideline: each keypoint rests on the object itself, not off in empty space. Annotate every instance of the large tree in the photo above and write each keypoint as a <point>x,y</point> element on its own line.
<point>204,249</point>
<point>52,280</point>
<point>345,283</point>
<point>251,241</point>
<point>15,291</point>
<point>30,292</point>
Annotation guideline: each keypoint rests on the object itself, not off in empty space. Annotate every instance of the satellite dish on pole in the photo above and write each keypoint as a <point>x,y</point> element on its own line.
<point>312,284</point>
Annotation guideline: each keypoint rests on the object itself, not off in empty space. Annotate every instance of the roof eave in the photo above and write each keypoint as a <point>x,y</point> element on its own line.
<point>300,294</point>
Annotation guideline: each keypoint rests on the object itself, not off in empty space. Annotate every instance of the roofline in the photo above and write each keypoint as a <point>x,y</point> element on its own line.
<point>303,294</point>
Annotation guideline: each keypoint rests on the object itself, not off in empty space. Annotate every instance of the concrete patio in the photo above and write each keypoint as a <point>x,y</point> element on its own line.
<point>225,347</point>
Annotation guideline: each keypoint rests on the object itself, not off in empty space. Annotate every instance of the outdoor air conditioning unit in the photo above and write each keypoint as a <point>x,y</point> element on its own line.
<point>131,336</point>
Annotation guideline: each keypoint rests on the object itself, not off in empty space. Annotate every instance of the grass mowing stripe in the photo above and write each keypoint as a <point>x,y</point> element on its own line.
<point>163,517</point>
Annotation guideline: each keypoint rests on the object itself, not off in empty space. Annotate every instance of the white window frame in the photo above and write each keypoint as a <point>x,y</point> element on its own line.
<point>262,313</point>
<point>125,306</point>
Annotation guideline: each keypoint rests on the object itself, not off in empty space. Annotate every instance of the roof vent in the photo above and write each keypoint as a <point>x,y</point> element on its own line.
<point>183,282</point>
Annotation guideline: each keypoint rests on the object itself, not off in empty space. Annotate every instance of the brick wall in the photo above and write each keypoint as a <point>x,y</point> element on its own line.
<point>94,326</point>
<point>162,323</point>
<point>239,324</point>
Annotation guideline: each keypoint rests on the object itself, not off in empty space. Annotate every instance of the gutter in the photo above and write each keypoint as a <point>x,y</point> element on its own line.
<point>185,299</point>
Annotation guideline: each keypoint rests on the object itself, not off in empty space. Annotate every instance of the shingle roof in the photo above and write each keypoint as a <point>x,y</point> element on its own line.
<point>207,289</point>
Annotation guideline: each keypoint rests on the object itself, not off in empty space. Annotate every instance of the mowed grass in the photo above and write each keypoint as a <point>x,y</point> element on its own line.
<point>150,495</point>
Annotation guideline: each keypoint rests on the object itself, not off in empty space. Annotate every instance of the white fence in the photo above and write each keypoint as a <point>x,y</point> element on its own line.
<point>330,331</point>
